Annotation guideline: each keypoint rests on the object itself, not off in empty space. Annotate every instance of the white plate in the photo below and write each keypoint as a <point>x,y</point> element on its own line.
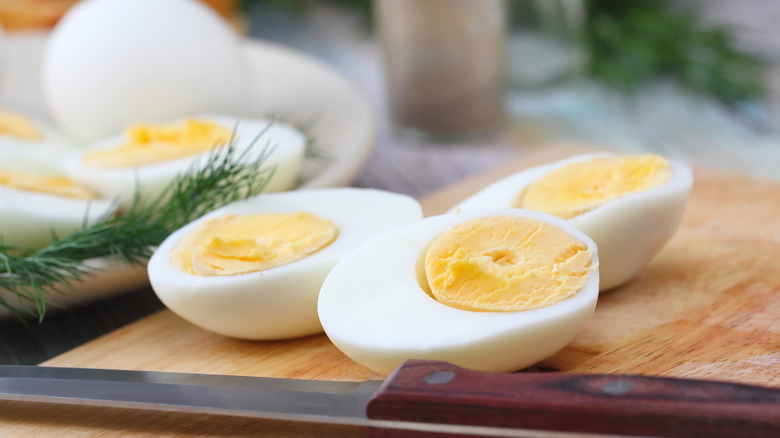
<point>288,84</point>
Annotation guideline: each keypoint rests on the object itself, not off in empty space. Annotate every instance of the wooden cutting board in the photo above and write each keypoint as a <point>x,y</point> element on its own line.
<point>706,307</point>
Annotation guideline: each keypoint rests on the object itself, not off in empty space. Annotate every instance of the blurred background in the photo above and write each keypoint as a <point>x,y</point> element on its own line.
<point>691,79</point>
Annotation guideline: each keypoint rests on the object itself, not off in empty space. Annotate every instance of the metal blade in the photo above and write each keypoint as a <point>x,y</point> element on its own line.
<point>195,393</point>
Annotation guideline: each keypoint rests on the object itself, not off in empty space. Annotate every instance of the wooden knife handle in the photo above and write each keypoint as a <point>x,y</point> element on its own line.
<point>438,392</point>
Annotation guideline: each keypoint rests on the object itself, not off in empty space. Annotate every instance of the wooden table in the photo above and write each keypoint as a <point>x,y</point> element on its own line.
<point>705,307</point>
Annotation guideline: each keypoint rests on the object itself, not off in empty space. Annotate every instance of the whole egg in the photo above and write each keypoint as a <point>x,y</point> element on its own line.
<point>110,63</point>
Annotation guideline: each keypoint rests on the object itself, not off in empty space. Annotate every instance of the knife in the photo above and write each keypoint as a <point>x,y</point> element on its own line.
<point>429,396</point>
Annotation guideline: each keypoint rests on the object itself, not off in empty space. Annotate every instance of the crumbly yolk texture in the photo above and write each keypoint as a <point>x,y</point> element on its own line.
<point>17,126</point>
<point>147,144</point>
<point>59,186</point>
<point>239,244</point>
<point>506,264</point>
<point>577,188</point>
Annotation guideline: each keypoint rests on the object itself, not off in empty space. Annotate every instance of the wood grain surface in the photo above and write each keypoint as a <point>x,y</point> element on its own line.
<point>705,307</point>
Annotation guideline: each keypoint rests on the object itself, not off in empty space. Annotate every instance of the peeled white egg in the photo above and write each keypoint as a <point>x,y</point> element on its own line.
<point>280,302</point>
<point>283,144</point>
<point>110,63</point>
<point>32,219</point>
<point>628,230</point>
<point>374,308</point>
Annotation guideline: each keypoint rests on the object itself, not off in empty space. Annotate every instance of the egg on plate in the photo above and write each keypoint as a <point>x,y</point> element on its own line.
<point>39,204</point>
<point>630,205</point>
<point>146,157</point>
<point>491,290</point>
<point>253,269</point>
<point>31,138</point>
<point>110,63</point>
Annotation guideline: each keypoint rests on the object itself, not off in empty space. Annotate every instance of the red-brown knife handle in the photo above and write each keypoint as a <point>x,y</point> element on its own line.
<point>438,392</point>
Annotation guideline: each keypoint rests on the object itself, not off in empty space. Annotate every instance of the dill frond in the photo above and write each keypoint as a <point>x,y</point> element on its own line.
<point>225,176</point>
<point>305,126</point>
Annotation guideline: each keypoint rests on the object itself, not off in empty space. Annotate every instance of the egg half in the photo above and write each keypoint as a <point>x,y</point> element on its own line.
<point>629,205</point>
<point>253,269</point>
<point>147,157</point>
<point>492,290</point>
<point>38,203</point>
<point>30,138</point>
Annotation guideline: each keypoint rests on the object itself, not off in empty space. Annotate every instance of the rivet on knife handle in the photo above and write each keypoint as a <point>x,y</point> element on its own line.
<point>438,392</point>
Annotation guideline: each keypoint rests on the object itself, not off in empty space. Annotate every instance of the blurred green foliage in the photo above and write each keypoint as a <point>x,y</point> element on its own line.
<point>631,42</point>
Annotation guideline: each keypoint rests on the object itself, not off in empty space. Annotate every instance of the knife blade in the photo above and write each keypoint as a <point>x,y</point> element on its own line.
<point>429,396</point>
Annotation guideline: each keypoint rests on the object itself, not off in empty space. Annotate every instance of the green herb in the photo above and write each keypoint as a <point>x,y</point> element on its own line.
<point>226,176</point>
<point>305,125</point>
<point>633,42</point>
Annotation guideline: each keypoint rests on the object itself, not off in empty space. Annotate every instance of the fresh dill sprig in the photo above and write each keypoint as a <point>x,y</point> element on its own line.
<point>305,126</point>
<point>225,177</point>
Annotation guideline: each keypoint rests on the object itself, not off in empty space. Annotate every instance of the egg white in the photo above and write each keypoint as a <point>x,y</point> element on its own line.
<point>51,149</point>
<point>280,302</point>
<point>373,308</point>
<point>32,219</point>
<point>284,144</point>
<point>628,231</point>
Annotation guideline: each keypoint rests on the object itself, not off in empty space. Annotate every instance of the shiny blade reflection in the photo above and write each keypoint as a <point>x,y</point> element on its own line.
<point>195,393</point>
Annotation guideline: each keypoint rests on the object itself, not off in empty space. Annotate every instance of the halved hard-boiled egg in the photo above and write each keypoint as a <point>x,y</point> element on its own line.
<point>253,269</point>
<point>38,204</point>
<point>492,290</point>
<point>146,157</point>
<point>630,205</point>
<point>30,138</point>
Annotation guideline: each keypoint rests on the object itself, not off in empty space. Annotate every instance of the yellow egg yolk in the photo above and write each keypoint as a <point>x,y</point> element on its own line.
<point>238,244</point>
<point>18,126</point>
<point>148,144</point>
<point>60,186</point>
<point>577,188</point>
<point>506,264</point>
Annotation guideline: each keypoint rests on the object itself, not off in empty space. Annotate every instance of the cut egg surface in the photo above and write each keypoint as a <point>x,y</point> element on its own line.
<point>253,269</point>
<point>147,157</point>
<point>38,204</point>
<point>630,205</point>
<point>30,138</point>
<point>491,290</point>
